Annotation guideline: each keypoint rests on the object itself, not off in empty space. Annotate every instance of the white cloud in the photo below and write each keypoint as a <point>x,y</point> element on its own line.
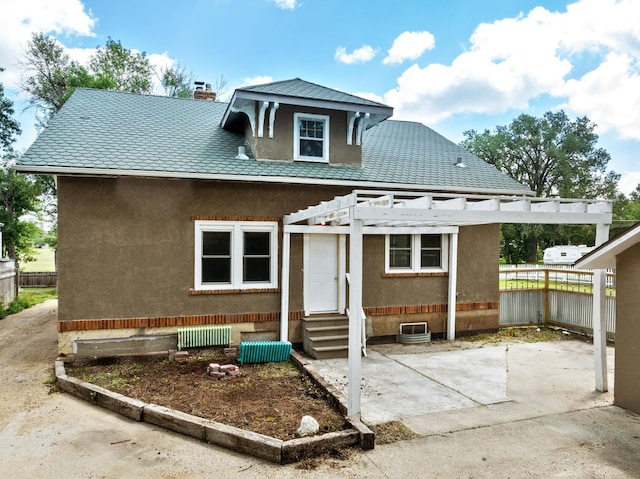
<point>257,80</point>
<point>409,46</point>
<point>159,61</point>
<point>588,57</point>
<point>360,55</point>
<point>369,96</point>
<point>629,180</point>
<point>609,95</point>
<point>286,4</point>
<point>19,19</point>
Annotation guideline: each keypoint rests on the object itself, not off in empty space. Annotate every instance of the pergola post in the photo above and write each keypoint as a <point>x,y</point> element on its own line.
<point>355,305</point>
<point>284,289</point>
<point>453,286</point>
<point>600,317</point>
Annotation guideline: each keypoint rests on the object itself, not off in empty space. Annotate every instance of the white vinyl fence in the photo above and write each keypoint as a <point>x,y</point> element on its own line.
<point>558,295</point>
<point>7,281</point>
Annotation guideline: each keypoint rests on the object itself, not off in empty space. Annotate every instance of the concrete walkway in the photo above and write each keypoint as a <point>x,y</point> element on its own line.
<point>552,425</point>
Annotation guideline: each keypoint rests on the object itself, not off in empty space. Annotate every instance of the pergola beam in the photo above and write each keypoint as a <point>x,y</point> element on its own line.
<point>468,216</point>
<point>324,208</point>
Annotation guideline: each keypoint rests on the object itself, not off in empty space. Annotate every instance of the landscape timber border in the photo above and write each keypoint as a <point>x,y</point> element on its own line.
<point>230,437</point>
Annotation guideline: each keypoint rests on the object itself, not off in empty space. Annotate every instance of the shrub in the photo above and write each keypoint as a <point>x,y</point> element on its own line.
<point>26,299</point>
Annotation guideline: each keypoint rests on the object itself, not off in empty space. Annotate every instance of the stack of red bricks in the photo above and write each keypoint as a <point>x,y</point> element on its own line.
<point>230,353</point>
<point>217,371</point>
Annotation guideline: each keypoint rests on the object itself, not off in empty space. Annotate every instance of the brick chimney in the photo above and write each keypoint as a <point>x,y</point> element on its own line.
<point>203,92</point>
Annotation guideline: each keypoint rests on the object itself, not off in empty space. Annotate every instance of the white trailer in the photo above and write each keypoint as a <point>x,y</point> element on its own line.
<point>565,254</point>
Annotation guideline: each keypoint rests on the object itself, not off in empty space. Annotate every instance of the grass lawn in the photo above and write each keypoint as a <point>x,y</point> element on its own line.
<point>26,298</point>
<point>44,263</point>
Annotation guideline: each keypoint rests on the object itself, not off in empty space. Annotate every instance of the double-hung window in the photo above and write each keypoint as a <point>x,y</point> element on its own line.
<point>235,255</point>
<point>311,137</point>
<point>415,253</point>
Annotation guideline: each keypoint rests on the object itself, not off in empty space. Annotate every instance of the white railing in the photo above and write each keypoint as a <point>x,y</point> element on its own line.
<point>363,320</point>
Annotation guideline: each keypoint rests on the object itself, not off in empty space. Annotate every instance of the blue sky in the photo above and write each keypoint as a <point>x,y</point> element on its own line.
<point>452,65</point>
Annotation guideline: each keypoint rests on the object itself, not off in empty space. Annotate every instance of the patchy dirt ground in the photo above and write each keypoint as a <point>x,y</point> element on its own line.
<point>268,398</point>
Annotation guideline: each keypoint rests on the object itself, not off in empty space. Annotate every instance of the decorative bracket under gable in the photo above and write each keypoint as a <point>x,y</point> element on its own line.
<point>248,107</point>
<point>263,108</point>
<point>363,121</point>
<point>272,117</point>
<point>353,116</point>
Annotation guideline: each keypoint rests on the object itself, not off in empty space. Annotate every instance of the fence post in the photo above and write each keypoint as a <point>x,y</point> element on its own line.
<point>547,305</point>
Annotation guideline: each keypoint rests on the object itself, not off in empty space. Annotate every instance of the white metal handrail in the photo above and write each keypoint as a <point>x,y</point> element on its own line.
<point>363,332</point>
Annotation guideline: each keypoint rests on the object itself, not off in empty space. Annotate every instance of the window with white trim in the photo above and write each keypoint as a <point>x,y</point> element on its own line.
<point>236,255</point>
<point>415,253</point>
<point>311,137</point>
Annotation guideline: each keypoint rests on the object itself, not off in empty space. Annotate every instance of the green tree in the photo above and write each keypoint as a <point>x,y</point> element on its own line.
<point>553,156</point>
<point>121,68</point>
<point>176,81</point>
<point>49,76</point>
<point>46,70</point>
<point>626,211</point>
<point>9,127</point>
<point>19,194</point>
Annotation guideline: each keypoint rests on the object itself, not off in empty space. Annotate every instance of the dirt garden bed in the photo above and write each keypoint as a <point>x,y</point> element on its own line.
<point>269,399</point>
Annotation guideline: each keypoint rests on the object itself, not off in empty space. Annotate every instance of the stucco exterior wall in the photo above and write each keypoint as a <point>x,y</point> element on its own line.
<point>627,376</point>
<point>126,250</point>
<point>126,246</point>
<point>280,147</point>
<point>477,280</point>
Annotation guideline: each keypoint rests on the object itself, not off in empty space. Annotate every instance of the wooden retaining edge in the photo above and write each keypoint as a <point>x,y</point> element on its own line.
<point>248,442</point>
<point>297,449</point>
<point>123,405</point>
<point>305,364</point>
<point>367,436</point>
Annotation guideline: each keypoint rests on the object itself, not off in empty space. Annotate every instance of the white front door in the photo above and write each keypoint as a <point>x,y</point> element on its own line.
<point>322,279</point>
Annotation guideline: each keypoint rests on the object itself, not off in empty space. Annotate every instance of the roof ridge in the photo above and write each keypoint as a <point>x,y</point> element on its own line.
<point>148,95</point>
<point>317,85</point>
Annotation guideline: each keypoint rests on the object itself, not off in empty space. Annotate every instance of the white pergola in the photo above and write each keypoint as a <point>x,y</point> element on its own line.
<point>365,212</point>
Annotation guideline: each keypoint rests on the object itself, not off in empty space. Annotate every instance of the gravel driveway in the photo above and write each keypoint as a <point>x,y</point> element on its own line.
<point>57,436</point>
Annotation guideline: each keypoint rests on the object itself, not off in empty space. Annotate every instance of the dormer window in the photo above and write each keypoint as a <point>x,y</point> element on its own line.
<point>311,137</point>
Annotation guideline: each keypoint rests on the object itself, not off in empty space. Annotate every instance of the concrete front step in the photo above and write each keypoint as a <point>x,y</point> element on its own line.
<point>318,331</point>
<point>331,352</point>
<point>326,331</point>
<point>332,320</point>
<point>316,342</point>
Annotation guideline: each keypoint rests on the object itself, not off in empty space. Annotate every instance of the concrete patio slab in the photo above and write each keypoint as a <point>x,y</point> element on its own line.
<point>395,386</point>
<point>478,374</point>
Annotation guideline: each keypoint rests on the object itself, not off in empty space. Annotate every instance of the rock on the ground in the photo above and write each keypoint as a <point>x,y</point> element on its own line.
<point>308,427</point>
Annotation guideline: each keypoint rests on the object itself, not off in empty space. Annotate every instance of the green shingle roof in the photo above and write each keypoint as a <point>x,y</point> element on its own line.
<point>298,88</point>
<point>104,132</point>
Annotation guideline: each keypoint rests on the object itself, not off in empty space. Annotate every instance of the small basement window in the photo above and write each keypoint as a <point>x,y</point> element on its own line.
<point>311,137</point>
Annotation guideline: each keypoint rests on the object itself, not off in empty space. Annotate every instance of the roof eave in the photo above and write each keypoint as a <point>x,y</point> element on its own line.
<point>604,256</point>
<point>78,171</point>
<point>377,113</point>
